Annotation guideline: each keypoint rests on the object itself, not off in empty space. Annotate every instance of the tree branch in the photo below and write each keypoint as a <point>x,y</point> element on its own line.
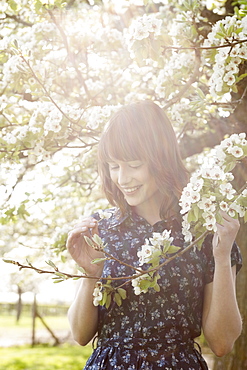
<point>192,79</point>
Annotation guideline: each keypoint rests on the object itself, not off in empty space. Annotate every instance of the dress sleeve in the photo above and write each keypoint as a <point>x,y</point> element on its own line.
<point>208,258</point>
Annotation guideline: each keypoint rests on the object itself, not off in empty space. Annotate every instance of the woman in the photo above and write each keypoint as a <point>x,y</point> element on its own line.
<point>143,176</point>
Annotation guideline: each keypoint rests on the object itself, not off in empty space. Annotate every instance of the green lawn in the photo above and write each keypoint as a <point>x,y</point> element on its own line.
<point>56,322</point>
<point>41,357</point>
<point>65,357</point>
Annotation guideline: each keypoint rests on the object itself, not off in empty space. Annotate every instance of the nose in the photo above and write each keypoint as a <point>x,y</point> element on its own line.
<point>123,176</point>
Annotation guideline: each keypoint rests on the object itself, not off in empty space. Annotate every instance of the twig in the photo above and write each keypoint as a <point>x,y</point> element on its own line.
<point>168,260</point>
<point>44,88</point>
<point>188,83</point>
<point>231,44</point>
<point>59,273</point>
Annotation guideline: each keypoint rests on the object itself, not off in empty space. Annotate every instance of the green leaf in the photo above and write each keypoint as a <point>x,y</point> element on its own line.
<point>241,77</point>
<point>122,292</point>
<point>104,299</point>
<point>97,239</point>
<point>13,5</point>
<point>117,298</point>
<point>199,244</point>
<point>37,6</point>
<point>16,43</point>
<point>219,218</point>
<point>81,269</point>
<point>60,274</point>
<point>63,258</point>
<point>156,287</point>
<point>196,211</point>
<point>52,264</point>
<point>89,241</point>
<point>229,167</point>
<point>234,88</point>
<point>8,261</point>
<point>108,301</point>
<point>191,216</point>
<point>145,284</point>
<point>245,216</point>
<point>173,249</point>
<point>98,260</point>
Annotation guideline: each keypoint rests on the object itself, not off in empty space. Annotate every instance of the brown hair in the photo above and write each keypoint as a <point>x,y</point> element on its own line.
<point>142,131</point>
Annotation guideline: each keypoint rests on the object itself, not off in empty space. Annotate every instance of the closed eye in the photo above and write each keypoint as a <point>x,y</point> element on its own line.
<point>135,166</point>
<point>132,164</point>
<point>112,168</point>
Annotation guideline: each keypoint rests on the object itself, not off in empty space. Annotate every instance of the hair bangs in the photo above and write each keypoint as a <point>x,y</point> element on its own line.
<point>123,142</point>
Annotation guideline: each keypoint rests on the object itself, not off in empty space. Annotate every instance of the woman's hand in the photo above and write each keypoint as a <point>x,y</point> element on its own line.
<point>224,237</point>
<point>80,251</point>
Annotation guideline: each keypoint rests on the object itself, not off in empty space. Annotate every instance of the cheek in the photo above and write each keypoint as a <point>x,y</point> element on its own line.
<point>113,177</point>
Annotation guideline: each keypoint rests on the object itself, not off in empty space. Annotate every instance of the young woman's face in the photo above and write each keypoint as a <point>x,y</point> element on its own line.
<point>134,180</point>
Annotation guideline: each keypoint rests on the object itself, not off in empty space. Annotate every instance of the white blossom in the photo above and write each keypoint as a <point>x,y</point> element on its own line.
<point>236,151</point>
<point>227,190</point>
<point>104,214</point>
<point>215,173</point>
<point>224,206</point>
<point>146,253</point>
<point>229,78</point>
<point>210,225</point>
<point>207,203</point>
<point>53,120</point>
<point>97,293</point>
<point>136,284</point>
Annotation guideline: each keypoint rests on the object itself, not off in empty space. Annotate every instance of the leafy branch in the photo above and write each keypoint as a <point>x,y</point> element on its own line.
<point>61,275</point>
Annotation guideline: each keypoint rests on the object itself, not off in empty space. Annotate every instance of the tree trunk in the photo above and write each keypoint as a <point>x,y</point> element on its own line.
<point>237,359</point>
<point>34,315</point>
<point>19,304</point>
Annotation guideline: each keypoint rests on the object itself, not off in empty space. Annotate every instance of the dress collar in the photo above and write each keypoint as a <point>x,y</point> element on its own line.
<point>118,219</point>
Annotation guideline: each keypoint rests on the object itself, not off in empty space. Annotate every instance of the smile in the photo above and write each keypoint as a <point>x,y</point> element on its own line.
<point>130,190</point>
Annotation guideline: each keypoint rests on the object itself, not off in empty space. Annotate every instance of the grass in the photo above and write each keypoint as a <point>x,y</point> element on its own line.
<point>25,322</point>
<point>40,357</point>
<point>65,357</point>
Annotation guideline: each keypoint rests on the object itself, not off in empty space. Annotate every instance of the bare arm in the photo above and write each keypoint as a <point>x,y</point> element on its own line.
<point>222,322</point>
<point>82,314</point>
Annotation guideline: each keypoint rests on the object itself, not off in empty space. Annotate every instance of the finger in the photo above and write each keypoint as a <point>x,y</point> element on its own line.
<point>74,236</point>
<point>95,229</point>
<point>87,222</point>
<point>227,217</point>
<point>216,239</point>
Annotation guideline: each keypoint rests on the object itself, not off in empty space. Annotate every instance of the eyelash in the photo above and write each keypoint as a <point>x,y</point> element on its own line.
<point>116,167</point>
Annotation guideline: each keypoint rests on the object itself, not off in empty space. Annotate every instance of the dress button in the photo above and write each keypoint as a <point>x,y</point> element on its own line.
<point>141,315</point>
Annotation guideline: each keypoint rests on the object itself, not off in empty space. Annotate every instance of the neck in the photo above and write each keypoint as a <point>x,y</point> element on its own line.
<point>151,215</point>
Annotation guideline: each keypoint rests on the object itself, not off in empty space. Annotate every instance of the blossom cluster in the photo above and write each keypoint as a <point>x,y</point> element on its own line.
<point>143,26</point>
<point>142,283</point>
<point>97,293</point>
<point>153,250</point>
<point>227,59</point>
<point>210,189</point>
<point>153,247</point>
<point>95,116</point>
<point>140,30</point>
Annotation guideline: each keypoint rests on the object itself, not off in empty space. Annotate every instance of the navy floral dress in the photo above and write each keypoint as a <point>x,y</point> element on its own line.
<point>153,330</point>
